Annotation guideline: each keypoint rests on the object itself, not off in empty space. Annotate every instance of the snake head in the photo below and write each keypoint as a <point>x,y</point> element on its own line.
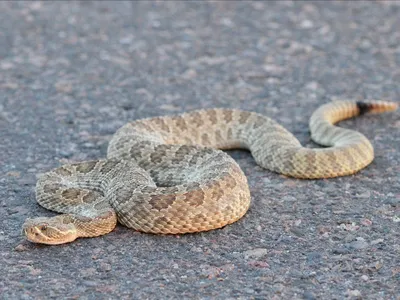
<point>50,231</point>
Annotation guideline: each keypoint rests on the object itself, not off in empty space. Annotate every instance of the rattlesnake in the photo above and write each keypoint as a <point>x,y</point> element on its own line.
<point>165,174</point>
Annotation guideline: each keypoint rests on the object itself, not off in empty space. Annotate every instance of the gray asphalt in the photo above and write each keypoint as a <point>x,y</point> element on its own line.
<point>71,73</point>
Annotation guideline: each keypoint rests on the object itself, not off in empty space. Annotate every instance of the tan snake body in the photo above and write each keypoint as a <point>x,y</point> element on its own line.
<point>165,174</point>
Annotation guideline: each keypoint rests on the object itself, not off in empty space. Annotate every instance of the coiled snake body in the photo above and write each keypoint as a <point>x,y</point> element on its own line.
<point>165,174</point>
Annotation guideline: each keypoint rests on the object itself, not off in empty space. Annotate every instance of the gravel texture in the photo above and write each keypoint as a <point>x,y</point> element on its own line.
<point>71,73</point>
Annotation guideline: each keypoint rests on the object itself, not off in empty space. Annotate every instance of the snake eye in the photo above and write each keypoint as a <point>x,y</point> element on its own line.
<point>43,227</point>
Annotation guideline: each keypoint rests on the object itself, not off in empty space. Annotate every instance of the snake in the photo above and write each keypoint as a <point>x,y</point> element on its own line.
<point>170,174</point>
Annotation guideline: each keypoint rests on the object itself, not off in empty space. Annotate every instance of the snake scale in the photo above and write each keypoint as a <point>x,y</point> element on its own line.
<point>169,175</point>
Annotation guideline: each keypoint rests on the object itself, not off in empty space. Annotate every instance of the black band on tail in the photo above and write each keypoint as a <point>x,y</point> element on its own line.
<point>364,107</point>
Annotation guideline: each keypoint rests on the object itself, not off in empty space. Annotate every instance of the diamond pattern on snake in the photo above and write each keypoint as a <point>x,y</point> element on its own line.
<point>169,175</point>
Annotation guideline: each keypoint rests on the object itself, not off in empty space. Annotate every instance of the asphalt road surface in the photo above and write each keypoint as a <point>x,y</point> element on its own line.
<point>72,73</point>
